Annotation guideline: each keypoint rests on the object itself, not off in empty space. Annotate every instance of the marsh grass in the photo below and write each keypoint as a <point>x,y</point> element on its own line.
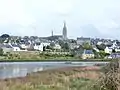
<point>62,79</point>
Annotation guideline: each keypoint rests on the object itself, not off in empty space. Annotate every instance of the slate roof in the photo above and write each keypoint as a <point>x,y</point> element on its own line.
<point>5,45</point>
<point>115,55</point>
<point>82,38</point>
<point>14,45</point>
<point>118,43</point>
<point>88,52</point>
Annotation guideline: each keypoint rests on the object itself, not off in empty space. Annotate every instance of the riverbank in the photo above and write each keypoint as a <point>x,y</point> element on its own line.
<point>57,60</point>
<point>41,57</point>
<point>74,78</point>
<point>51,60</point>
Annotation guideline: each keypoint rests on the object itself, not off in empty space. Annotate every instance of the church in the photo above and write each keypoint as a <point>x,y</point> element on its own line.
<point>63,36</point>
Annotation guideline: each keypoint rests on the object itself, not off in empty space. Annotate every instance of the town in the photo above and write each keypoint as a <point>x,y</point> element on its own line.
<point>82,47</point>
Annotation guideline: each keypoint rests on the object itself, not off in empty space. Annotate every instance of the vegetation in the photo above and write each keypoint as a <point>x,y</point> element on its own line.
<point>4,37</point>
<point>64,45</point>
<point>110,79</point>
<point>60,79</point>
<point>39,56</point>
<point>87,46</point>
<point>1,52</point>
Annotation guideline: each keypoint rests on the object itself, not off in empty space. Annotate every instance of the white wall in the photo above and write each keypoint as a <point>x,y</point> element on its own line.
<point>108,50</point>
<point>38,47</point>
<point>57,46</point>
<point>16,49</point>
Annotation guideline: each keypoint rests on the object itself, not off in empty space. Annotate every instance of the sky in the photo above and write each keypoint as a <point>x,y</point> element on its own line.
<point>89,18</point>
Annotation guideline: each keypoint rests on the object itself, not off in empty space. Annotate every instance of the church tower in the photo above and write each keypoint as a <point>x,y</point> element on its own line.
<point>64,31</point>
<point>52,33</point>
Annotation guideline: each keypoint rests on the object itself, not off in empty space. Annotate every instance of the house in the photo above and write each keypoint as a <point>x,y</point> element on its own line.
<point>6,48</point>
<point>23,46</point>
<point>16,47</point>
<point>38,46</point>
<point>114,56</point>
<point>99,43</point>
<point>73,46</point>
<point>117,49</point>
<point>45,44</point>
<point>97,50</point>
<point>57,46</point>
<point>87,54</point>
<point>108,50</point>
<point>82,40</point>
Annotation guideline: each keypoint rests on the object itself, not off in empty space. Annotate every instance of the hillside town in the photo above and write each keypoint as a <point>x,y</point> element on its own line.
<point>83,47</point>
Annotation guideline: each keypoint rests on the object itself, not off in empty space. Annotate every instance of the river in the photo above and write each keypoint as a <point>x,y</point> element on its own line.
<point>20,69</point>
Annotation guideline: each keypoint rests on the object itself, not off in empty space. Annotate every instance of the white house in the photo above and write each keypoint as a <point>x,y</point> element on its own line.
<point>114,45</point>
<point>45,44</point>
<point>97,50</point>
<point>99,43</point>
<point>39,47</point>
<point>16,49</point>
<point>108,50</point>
<point>57,46</point>
<point>117,49</point>
<point>23,46</point>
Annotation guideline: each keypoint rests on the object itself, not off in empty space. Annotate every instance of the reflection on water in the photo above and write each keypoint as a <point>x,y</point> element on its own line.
<point>20,69</point>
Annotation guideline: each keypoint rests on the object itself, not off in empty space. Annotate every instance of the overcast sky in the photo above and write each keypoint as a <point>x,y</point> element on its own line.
<point>93,18</point>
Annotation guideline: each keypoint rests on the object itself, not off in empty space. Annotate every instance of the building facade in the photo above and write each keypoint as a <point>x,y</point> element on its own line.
<point>82,40</point>
<point>88,54</point>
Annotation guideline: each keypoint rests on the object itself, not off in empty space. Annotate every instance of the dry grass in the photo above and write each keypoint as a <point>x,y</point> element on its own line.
<point>110,79</point>
<point>61,79</point>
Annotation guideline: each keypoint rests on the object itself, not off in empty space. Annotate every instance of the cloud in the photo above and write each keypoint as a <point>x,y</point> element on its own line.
<point>11,11</point>
<point>99,16</point>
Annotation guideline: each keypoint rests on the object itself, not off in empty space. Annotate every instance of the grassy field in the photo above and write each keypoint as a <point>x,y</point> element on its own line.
<point>37,56</point>
<point>60,79</point>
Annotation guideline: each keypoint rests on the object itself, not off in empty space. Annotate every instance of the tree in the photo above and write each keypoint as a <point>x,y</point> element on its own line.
<point>5,36</point>
<point>1,52</point>
<point>73,41</point>
<point>113,51</point>
<point>48,47</point>
<point>61,43</point>
<point>87,46</point>
<point>52,44</point>
<point>44,48</point>
<point>66,46</point>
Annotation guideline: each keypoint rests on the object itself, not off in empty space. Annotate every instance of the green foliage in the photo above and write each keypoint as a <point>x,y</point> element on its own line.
<point>102,54</point>
<point>48,47</point>
<point>66,46</point>
<point>61,43</point>
<point>5,36</point>
<point>97,55</point>
<point>52,44</point>
<point>113,51</point>
<point>1,52</point>
<point>87,46</point>
<point>110,79</point>
<point>44,48</point>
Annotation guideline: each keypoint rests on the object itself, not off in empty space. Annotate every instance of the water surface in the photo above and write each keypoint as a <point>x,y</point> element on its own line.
<point>20,69</point>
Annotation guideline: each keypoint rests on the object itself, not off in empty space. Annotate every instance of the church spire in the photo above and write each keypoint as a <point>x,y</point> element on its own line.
<point>64,31</point>
<point>52,32</point>
<point>64,24</point>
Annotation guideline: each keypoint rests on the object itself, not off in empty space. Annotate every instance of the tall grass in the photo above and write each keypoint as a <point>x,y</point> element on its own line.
<point>110,79</point>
